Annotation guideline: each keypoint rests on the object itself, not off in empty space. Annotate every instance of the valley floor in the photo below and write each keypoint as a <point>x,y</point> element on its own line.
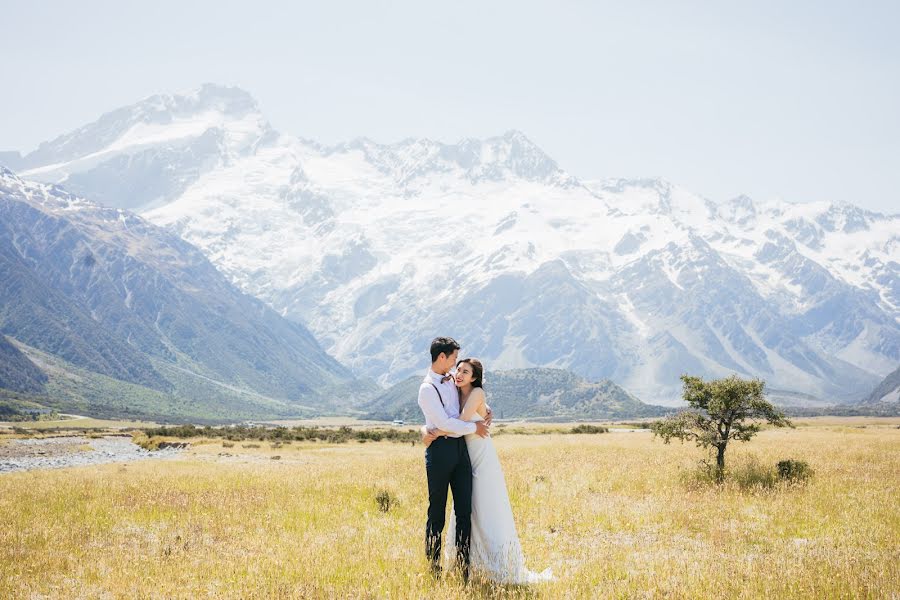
<point>614,515</point>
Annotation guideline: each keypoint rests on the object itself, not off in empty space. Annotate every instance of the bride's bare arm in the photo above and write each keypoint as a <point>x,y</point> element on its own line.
<point>475,401</point>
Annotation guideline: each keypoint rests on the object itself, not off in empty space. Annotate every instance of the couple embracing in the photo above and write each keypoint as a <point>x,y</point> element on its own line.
<point>460,455</point>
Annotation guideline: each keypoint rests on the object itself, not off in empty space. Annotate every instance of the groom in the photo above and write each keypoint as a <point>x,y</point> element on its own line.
<point>447,459</point>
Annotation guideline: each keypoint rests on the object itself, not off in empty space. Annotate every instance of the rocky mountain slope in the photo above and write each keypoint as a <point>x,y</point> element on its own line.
<point>109,292</point>
<point>17,372</point>
<point>887,392</point>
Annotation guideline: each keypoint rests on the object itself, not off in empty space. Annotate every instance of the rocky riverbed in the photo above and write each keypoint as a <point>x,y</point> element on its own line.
<point>73,451</point>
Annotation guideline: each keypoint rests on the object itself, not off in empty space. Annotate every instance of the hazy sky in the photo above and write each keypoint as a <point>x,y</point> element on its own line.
<point>791,99</point>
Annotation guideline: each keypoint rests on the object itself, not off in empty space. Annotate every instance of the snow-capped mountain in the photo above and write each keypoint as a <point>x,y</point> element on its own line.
<point>377,248</point>
<point>140,155</point>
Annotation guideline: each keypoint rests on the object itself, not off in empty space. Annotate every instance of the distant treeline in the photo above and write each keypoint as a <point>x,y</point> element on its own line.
<point>15,407</point>
<point>286,434</point>
<point>338,435</point>
<point>18,417</point>
<point>882,409</point>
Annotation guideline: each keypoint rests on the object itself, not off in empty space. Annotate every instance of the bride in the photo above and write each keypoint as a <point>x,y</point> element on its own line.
<point>494,548</point>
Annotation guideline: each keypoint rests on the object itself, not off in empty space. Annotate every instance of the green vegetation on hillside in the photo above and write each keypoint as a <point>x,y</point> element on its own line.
<point>193,397</point>
<point>536,393</point>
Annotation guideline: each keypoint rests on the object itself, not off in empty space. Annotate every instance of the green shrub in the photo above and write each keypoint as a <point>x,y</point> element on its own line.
<point>584,428</point>
<point>385,500</point>
<point>754,475</point>
<point>749,474</point>
<point>794,470</point>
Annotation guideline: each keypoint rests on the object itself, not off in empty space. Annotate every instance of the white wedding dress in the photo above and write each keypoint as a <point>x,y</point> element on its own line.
<point>494,549</point>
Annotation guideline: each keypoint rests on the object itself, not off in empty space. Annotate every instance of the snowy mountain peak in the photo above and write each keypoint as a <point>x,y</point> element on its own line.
<point>143,155</point>
<point>231,101</point>
<point>161,119</point>
<point>410,161</point>
<point>846,218</point>
<point>515,152</point>
<point>743,202</point>
<point>620,184</point>
<point>516,142</point>
<point>227,99</point>
<point>740,210</point>
<point>655,196</point>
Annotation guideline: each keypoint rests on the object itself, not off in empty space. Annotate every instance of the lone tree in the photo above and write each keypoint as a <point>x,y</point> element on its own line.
<point>720,410</point>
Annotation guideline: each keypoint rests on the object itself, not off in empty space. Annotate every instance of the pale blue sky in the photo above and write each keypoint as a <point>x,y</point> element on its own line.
<point>791,99</point>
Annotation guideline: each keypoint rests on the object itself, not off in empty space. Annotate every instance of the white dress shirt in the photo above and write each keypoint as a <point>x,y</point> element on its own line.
<point>443,416</point>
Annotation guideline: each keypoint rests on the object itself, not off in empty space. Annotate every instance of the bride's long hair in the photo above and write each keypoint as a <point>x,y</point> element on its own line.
<point>477,371</point>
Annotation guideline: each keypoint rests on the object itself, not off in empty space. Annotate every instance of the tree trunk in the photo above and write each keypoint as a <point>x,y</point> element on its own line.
<point>720,463</point>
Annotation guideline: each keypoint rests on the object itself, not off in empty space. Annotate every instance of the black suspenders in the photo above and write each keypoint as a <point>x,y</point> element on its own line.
<point>439,395</point>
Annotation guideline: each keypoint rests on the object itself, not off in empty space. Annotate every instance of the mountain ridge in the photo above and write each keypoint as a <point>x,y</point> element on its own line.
<point>345,238</point>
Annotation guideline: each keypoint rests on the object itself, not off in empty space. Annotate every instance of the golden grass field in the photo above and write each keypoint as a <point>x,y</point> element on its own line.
<point>615,515</point>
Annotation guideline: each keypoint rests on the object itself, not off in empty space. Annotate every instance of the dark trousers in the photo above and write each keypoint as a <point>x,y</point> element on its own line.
<point>447,464</point>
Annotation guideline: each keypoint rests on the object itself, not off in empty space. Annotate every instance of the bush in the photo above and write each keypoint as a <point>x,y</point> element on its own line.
<point>385,500</point>
<point>794,470</point>
<point>589,429</point>
<point>703,475</point>
<point>749,474</point>
<point>754,475</point>
<point>145,442</point>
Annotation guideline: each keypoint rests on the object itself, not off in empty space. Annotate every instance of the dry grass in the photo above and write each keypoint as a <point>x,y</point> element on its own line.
<point>615,515</point>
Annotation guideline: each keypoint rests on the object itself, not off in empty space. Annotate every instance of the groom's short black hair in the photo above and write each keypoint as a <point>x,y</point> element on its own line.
<point>442,344</point>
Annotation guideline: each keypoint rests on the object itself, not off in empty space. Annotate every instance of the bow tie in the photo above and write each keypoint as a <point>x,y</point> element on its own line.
<point>446,378</point>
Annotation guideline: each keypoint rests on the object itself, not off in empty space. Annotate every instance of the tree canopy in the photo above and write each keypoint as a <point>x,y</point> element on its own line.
<point>719,411</point>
